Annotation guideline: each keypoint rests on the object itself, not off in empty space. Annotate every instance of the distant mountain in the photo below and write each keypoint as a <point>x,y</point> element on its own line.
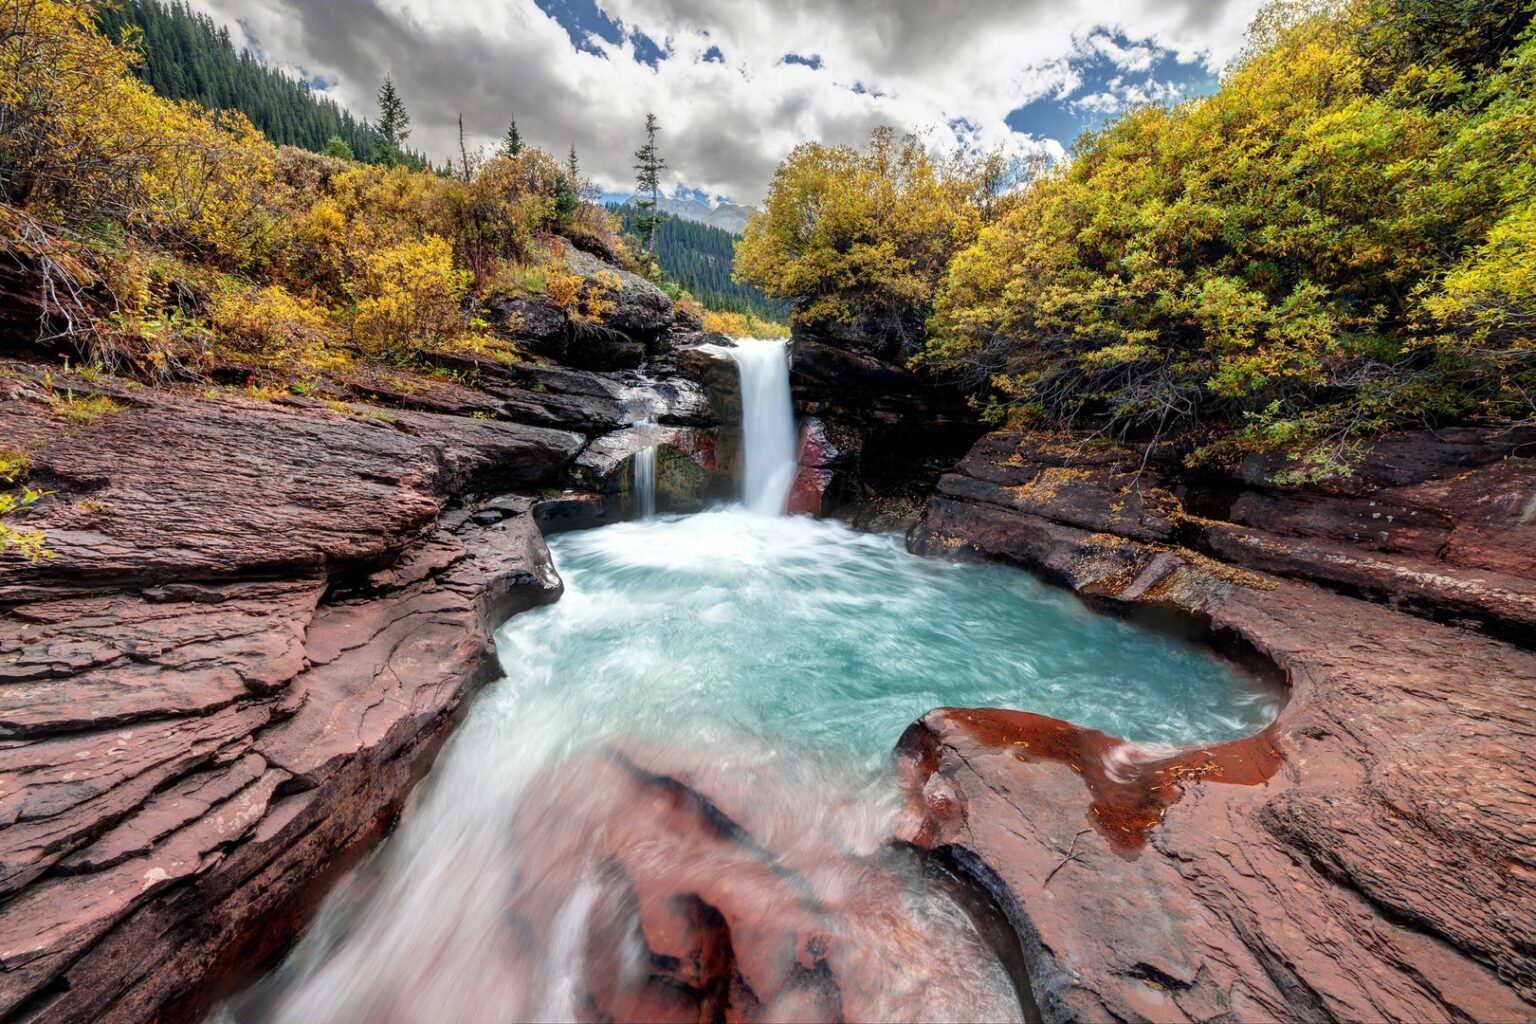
<point>727,216</point>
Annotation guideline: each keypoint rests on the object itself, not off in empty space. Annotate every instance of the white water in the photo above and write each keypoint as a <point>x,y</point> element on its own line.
<point>767,423</point>
<point>642,414</point>
<point>644,467</point>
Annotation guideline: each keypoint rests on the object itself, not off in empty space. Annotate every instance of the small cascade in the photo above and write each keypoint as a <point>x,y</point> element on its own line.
<point>641,408</point>
<point>767,423</point>
<point>644,471</point>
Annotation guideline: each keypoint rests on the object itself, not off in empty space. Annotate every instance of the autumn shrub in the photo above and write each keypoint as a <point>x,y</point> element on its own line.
<point>1337,243</point>
<point>860,238</point>
<point>161,236</point>
<point>740,325</point>
<point>408,297</point>
<point>99,177</point>
<point>585,300</point>
<point>15,497</point>
<point>271,326</point>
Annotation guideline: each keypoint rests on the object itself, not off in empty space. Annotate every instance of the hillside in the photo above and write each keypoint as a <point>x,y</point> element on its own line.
<point>728,217</point>
<point>699,258</point>
<point>185,56</point>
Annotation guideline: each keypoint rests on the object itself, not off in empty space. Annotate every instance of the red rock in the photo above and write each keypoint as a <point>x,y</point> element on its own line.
<point>809,494</point>
<point>1383,871</point>
<point>220,691</point>
<point>1453,548</point>
<point>745,911</point>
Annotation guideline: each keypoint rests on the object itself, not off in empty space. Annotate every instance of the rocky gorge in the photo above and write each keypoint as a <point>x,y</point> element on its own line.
<point>263,620</point>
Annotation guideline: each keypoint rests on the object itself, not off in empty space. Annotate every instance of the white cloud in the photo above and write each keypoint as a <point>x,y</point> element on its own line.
<point>727,123</point>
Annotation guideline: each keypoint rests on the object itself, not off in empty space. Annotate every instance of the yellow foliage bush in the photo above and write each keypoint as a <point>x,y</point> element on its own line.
<point>269,323</point>
<point>408,297</point>
<point>135,210</point>
<point>741,325</point>
<point>585,300</point>
<point>863,236</point>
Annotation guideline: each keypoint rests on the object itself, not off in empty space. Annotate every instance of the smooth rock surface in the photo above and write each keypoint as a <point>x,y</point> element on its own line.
<point>1369,856</point>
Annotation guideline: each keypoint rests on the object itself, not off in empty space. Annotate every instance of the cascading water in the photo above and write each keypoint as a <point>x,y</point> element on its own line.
<point>767,422</point>
<point>644,472</point>
<point>642,415</point>
<point>697,737</point>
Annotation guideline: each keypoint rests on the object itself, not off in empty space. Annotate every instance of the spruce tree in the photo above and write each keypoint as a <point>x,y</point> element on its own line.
<point>573,168</point>
<point>394,123</point>
<point>513,143</point>
<point>185,56</point>
<point>648,168</point>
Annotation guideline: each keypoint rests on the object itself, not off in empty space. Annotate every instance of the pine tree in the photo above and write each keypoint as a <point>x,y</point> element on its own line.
<point>573,168</point>
<point>648,168</point>
<point>394,123</point>
<point>699,259</point>
<point>513,143</point>
<point>186,57</point>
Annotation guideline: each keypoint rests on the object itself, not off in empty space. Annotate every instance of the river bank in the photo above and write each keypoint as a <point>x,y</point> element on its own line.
<point>223,689</point>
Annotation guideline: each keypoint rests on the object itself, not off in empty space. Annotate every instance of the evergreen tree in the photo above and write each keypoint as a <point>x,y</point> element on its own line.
<point>699,258</point>
<point>648,168</point>
<point>573,168</point>
<point>338,147</point>
<point>566,199</point>
<point>185,56</point>
<point>394,124</point>
<point>513,143</point>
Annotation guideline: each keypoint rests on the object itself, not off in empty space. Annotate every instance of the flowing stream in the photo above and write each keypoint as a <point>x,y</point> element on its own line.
<point>770,664</point>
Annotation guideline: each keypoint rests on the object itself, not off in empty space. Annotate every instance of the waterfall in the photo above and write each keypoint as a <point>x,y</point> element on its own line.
<point>640,406</point>
<point>645,482</point>
<point>767,423</point>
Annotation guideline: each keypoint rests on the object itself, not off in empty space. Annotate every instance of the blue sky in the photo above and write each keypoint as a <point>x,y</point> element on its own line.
<point>737,84</point>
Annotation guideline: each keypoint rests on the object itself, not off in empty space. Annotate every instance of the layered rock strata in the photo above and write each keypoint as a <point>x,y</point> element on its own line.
<point>1369,856</point>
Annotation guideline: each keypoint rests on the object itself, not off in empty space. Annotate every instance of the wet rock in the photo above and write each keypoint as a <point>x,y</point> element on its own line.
<point>718,376</point>
<point>893,432</point>
<point>823,453</point>
<point>710,905</point>
<point>575,510</point>
<point>204,489</point>
<point>1455,548</point>
<point>1385,805</point>
<point>687,475</point>
<point>811,492</point>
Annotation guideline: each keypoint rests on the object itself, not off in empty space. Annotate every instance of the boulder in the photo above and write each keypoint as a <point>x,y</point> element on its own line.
<point>714,901</point>
<point>687,475</point>
<point>894,431</point>
<point>531,323</point>
<point>641,311</point>
<point>187,489</point>
<point>811,492</point>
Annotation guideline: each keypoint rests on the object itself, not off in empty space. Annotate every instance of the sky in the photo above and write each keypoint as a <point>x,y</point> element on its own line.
<point>736,84</point>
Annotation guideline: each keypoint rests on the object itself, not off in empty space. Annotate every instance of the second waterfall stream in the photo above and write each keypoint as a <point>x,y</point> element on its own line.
<point>679,802</point>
